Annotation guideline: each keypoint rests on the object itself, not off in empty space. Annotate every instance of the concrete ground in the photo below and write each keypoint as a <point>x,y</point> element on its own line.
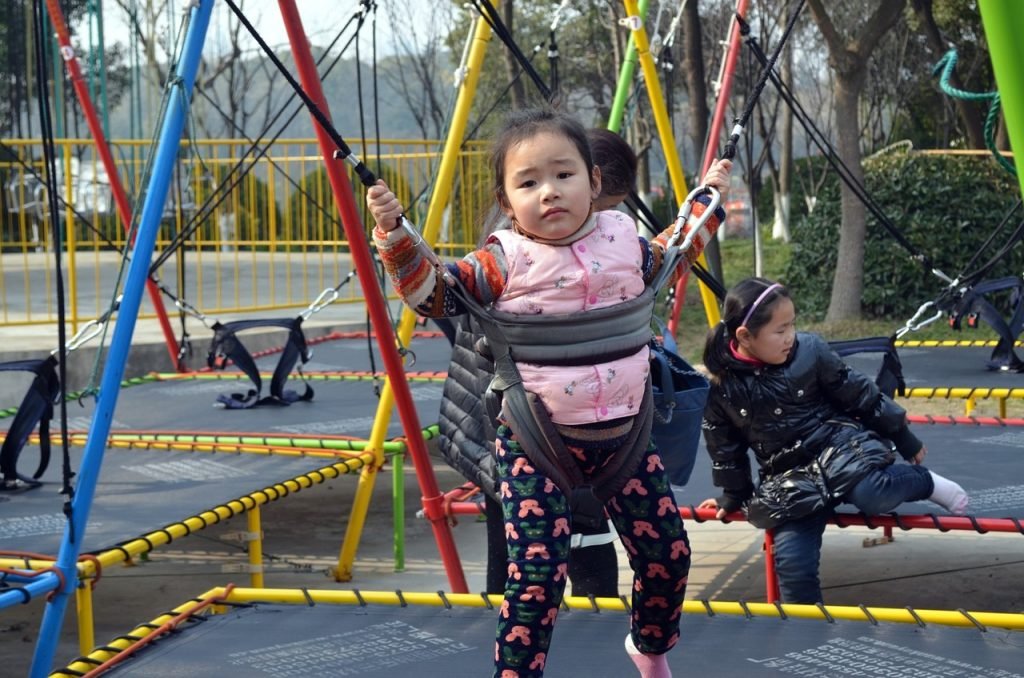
<point>303,532</point>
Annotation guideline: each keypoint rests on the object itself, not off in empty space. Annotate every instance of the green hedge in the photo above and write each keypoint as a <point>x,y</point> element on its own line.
<point>945,205</point>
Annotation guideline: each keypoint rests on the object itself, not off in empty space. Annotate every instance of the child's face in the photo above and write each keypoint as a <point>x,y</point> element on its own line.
<point>548,187</point>
<point>774,340</point>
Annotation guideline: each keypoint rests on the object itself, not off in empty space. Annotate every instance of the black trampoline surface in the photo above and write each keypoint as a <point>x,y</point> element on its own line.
<point>139,491</point>
<point>345,408</point>
<point>988,461</point>
<point>352,354</point>
<point>942,367</point>
<point>381,640</point>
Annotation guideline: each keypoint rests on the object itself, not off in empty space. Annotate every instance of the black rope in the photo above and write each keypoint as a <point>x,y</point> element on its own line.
<point>343,151</point>
<point>41,34</point>
<point>218,196</point>
<point>748,109</point>
<point>830,155</point>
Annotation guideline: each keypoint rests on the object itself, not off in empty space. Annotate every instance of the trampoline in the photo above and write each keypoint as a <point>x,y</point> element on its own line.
<point>352,633</point>
<point>149,491</point>
<point>936,369</point>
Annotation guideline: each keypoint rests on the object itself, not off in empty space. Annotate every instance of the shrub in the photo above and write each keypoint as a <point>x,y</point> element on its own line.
<point>946,206</point>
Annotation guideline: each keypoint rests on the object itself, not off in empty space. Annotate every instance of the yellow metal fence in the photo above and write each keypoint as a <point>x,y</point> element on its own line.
<point>243,230</point>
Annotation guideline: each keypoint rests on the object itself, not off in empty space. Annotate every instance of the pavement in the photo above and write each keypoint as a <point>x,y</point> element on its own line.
<point>924,569</point>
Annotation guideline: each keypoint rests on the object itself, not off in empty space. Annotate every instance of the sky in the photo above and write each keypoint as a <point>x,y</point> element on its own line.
<point>322,19</point>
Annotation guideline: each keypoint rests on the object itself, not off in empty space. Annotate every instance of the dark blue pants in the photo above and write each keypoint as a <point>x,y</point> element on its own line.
<point>798,542</point>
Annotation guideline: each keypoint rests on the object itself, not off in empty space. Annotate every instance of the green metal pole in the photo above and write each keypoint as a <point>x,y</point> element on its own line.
<point>625,82</point>
<point>1004,21</point>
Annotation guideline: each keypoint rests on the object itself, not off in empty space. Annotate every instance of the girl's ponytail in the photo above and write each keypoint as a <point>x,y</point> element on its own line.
<point>716,348</point>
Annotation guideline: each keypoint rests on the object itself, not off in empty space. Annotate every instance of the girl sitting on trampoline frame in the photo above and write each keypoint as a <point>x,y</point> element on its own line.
<point>822,434</point>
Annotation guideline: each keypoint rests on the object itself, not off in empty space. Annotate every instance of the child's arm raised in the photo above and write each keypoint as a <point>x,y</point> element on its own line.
<point>717,177</point>
<point>421,285</point>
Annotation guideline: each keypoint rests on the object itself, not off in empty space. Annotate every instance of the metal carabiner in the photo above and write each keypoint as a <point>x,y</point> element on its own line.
<point>914,325</point>
<point>686,209</point>
<point>323,300</point>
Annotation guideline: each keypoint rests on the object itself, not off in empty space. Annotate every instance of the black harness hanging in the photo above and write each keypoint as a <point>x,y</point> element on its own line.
<point>972,304</point>
<point>226,345</point>
<point>889,378</point>
<point>36,408</point>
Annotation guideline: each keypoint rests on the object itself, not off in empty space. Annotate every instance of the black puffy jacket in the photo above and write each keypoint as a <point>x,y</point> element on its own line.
<point>790,414</point>
<point>467,432</point>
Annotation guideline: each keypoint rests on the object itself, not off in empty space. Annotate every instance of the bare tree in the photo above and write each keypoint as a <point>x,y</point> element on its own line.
<point>848,57</point>
<point>420,59</point>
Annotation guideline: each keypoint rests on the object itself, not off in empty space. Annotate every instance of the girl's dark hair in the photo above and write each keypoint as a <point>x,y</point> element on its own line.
<point>616,159</point>
<point>526,124</point>
<point>737,306</point>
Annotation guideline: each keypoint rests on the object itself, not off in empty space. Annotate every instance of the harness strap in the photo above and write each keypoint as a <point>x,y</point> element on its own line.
<point>890,375</point>
<point>227,344</point>
<point>1003,356</point>
<point>36,408</point>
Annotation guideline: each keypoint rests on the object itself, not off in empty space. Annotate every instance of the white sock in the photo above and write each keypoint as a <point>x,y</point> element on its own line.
<point>949,495</point>
<point>649,665</point>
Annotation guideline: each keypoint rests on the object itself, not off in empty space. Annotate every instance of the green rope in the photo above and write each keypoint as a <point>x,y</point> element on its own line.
<point>945,66</point>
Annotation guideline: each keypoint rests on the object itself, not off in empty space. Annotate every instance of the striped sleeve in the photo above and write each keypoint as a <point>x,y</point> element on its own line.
<point>482,273</point>
<point>654,254</point>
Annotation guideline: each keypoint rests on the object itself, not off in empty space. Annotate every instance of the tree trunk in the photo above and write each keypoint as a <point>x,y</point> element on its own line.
<point>518,92</point>
<point>848,282</point>
<point>693,66</point>
<point>848,57</point>
<point>780,228</point>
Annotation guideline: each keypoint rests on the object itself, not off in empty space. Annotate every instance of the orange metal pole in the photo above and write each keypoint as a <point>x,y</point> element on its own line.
<point>120,197</point>
<point>375,302</point>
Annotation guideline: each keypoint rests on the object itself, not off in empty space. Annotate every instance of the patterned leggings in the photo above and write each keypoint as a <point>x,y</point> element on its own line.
<point>537,528</point>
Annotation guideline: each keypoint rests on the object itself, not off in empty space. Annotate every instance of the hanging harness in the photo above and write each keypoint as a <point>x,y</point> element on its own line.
<point>972,305</point>
<point>226,345</point>
<point>36,408</point>
<point>889,378</point>
<point>578,338</point>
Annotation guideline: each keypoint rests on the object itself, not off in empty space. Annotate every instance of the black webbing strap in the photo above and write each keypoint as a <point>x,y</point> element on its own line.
<point>972,303</point>
<point>227,345</point>
<point>36,408</point>
<point>890,375</point>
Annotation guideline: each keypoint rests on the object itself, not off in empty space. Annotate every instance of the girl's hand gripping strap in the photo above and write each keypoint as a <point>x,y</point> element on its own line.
<point>672,250</point>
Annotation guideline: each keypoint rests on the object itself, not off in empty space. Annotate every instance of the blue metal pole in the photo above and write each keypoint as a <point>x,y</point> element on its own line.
<point>120,343</point>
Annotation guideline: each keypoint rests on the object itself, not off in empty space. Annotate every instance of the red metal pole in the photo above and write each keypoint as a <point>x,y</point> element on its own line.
<point>721,104</point>
<point>375,301</point>
<point>120,197</point>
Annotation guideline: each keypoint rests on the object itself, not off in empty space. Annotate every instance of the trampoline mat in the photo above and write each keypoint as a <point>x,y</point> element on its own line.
<point>988,461</point>
<point>139,491</point>
<point>344,408</point>
<point>352,354</point>
<point>380,640</point>
<point>941,367</point>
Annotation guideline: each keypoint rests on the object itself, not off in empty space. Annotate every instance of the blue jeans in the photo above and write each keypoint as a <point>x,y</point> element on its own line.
<point>797,548</point>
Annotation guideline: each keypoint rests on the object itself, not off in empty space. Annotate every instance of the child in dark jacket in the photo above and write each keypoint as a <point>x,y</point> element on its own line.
<point>821,432</point>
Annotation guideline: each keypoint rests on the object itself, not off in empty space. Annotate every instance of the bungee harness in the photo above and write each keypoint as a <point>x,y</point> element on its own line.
<point>226,346</point>
<point>578,338</point>
<point>36,408</point>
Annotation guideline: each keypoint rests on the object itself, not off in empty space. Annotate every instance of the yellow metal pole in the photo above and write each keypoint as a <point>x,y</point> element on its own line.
<point>438,202</point>
<point>668,142</point>
<point>71,244</point>
<point>86,632</point>
<point>255,541</point>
